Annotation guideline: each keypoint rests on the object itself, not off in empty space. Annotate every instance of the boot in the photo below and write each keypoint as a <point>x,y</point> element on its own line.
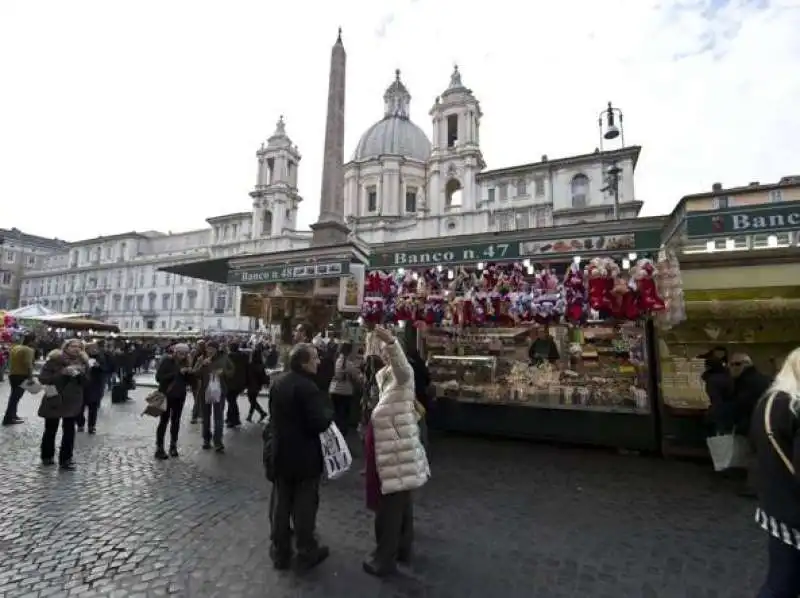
<point>161,454</point>
<point>173,450</point>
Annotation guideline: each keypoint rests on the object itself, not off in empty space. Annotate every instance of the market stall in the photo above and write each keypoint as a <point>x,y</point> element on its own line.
<point>553,343</point>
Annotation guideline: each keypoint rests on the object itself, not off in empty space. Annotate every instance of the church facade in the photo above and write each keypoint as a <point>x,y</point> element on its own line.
<point>399,185</point>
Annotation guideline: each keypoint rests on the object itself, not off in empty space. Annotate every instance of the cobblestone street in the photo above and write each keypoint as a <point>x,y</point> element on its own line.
<point>498,519</point>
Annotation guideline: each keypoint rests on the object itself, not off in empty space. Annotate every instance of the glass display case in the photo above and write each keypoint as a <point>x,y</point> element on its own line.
<point>597,367</point>
<point>461,377</point>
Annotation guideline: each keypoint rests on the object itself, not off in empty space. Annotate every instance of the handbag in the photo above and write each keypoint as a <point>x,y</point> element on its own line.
<point>335,452</point>
<point>32,385</point>
<point>728,451</point>
<point>771,436</point>
<point>156,402</point>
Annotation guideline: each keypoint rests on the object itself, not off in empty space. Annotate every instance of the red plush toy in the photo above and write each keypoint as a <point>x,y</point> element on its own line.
<point>649,299</point>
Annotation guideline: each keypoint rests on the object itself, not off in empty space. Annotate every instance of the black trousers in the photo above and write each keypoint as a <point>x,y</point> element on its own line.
<point>14,396</point>
<point>294,504</point>
<point>171,416</point>
<point>255,407</point>
<point>233,417</point>
<point>341,411</point>
<point>88,414</point>
<point>394,529</point>
<point>783,574</point>
<point>67,438</point>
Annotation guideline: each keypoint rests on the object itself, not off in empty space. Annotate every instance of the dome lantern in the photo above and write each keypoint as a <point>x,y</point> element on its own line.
<point>397,100</point>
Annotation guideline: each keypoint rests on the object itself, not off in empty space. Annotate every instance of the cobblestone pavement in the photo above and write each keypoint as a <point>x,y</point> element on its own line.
<point>498,519</point>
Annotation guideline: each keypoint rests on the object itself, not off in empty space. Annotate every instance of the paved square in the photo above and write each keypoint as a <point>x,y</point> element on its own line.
<point>498,519</point>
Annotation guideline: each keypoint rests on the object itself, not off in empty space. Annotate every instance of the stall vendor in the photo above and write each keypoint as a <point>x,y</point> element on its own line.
<point>543,348</point>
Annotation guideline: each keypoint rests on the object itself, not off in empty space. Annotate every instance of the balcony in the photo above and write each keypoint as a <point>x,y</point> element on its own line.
<point>148,313</point>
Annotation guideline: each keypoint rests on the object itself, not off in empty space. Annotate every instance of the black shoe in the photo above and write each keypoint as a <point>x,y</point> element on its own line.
<point>373,568</point>
<point>311,560</point>
<point>173,451</point>
<point>92,431</point>
<point>404,557</point>
<point>161,454</point>
<point>249,418</point>
<point>66,466</point>
<point>262,416</point>
<point>220,448</point>
<point>13,421</point>
<point>48,461</point>
<point>206,446</point>
<point>233,425</point>
<point>280,562</point>
<point>79,428</point>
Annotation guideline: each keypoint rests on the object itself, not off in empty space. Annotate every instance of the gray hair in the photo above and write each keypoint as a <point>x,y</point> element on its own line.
<point>300,355</point>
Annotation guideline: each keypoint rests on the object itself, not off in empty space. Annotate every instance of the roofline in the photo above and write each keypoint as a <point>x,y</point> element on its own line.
<point>741,190</point>
<point>18,235</point>
<point>132,234</point>
<point>624,152</point>
<point>213,219</point>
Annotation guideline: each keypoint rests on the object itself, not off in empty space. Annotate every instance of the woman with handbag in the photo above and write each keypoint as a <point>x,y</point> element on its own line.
<point>172,377</point>
<point>775,432</point>
<point>345,385</point>
<point>64,376</point>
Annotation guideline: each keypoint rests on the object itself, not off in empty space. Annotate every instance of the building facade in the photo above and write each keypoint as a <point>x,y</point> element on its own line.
<point>21,253</point>
<point>399,185</point>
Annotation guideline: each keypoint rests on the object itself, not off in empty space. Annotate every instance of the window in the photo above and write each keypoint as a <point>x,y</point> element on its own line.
<point>776,196</point>
<point>502,191</point>
<point>266,223</point>
<point>490,195</point>
<point>452,130</point>
<point>165,301</point>
<point>179,301</point>
<point>191,299</point>
<point>109,251</point>
<point>720,203</point>
<point>163,324</point>
<point>580,190</point>
<point>505,221</point>
<point>10,257</point>
<point>140,302</point>
<point>219,303</point>
<point>167,279</point>
<point>141,279</point>
<point>411,200</point>
<point>154,281</point>
<point>6,277</point>
<point>234,231</point>
<point>522,219</point>
<point>372,199</point>
<point>538,184</point>
<point>128,303</point>
<point>151,301</point>
<point>522,188</point>
<point>452,191</point>
<point>117,302</point>
<point>30,261</point>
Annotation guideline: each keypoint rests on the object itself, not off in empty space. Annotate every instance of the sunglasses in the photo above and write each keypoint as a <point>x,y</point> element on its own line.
<point>737,364</point>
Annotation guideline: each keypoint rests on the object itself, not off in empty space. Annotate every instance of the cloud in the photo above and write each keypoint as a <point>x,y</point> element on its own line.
<point>140,115</point>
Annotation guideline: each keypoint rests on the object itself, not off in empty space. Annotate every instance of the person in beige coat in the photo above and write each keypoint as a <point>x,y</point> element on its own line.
<point>396,460</point>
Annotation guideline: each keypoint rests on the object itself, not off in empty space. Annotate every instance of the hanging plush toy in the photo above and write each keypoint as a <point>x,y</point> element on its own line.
<point>575,292</point>
<point>598,278</point>
<point>649,299</point>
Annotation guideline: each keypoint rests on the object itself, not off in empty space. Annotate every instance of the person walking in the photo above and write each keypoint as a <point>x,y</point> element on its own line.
<point>93,390</point>
<point>195,356</point>
<point>235,384</point>
<point>20,368</point>
<point>212,371</point>
<point>299,413</point>
<point>172,377</point>
<point>344,386</point>
<point>396,462</point>
<point>775,432</point>
<point>64,376</point>
<point>257,378</point>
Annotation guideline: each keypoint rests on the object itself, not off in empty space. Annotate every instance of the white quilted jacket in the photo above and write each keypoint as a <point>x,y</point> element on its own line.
<point>399,454</point>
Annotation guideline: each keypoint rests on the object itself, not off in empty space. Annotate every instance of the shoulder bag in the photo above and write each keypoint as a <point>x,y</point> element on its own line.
<point>771,435</point>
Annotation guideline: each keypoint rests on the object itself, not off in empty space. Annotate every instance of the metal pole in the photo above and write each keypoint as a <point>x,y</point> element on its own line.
<point>616,194</point>
<point>171,302</point>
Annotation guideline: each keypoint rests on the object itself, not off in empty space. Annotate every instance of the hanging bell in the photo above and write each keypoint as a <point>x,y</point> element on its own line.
<point>612,130</point>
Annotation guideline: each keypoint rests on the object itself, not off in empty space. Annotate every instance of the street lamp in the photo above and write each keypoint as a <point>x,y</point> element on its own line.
<point>612,184</point>
<point>609,123</point>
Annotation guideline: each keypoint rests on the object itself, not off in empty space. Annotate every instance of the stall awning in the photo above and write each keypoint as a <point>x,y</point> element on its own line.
<point>215,270</point>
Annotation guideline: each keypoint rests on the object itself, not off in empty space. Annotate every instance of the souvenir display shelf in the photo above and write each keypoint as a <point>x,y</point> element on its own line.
<point>599,367</point>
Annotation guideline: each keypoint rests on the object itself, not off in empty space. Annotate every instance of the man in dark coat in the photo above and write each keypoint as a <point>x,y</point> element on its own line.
<point>719,388</point>
<point>235,384</point>
<point>299,413</point>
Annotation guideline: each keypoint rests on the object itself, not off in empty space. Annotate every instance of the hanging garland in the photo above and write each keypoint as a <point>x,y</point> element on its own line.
<point>510,294</point>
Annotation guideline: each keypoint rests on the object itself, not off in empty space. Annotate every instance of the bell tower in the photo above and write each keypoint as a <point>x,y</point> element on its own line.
<point>456,155</point>
<point>275,197</point>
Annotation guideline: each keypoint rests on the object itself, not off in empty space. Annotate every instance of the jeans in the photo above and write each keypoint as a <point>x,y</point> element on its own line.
<point>171,416</point>
<point>234,418</point>
<point>91,408</point>
<point>783,572</point>
<point>67,438</point>
<point>213,411</point>
<point>13,397</point>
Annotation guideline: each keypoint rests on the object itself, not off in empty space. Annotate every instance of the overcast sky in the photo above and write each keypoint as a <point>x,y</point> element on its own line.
<point>119,115</point>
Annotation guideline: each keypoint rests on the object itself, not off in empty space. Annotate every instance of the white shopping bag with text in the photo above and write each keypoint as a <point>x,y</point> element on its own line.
<point>728,451</point>
<point>335,453</point>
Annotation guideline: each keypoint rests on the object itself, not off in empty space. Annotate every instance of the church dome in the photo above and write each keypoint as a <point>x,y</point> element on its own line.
<point>394,134</point>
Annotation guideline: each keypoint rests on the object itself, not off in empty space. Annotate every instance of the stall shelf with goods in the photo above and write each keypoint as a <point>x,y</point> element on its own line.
<point>548,347</point>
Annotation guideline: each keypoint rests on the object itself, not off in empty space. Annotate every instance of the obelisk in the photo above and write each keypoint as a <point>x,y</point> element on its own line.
<point>331,229</point>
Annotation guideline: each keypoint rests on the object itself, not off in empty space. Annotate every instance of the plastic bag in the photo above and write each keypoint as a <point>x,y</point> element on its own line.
<point>335,453</point>
<point>728,451</point>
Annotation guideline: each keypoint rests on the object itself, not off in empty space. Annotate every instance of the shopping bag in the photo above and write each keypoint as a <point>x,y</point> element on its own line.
<point>156,404</point>
<point>728,451</point>
<point>32,385</point>
<point>335,453</point>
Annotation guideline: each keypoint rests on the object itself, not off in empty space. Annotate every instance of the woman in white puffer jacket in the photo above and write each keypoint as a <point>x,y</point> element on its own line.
<point>396,460</point>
